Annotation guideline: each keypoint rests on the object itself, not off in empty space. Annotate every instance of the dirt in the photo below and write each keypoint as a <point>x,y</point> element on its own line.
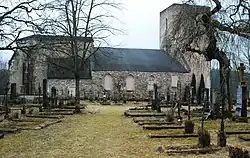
<point>103,132</point>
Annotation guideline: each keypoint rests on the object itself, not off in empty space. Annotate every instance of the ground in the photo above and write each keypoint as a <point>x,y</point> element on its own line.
<point>106,134</point>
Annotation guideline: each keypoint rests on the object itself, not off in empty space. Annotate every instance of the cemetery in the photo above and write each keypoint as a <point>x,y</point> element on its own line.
<point>34,112</point>
<point>67,94</point>
<point>180,119</point>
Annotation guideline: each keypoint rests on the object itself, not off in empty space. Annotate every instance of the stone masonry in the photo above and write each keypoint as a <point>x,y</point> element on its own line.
<point>141,82</point>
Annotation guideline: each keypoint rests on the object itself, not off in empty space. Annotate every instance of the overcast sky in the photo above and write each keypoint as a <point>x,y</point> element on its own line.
<point>140,20</point>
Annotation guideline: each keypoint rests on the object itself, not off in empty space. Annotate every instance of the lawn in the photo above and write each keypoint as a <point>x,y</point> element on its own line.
<point>106,134</point>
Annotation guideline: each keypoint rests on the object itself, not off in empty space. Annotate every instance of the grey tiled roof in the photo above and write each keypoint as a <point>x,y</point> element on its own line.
<point>63,68</point>
<point>48,38</point>
<point>128,59</point>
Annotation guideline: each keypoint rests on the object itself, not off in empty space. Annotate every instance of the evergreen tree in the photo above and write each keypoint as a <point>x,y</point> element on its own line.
<point>193,86</point>
<point>200,94</point>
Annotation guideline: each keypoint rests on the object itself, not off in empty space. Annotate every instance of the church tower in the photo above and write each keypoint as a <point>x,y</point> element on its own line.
<point>179,27</point>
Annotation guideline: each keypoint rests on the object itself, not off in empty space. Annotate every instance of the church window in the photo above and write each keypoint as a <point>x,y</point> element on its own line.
<point>130,83</point>
<point>174,81</point>
<point>108,82</point>
<point>151,82</point>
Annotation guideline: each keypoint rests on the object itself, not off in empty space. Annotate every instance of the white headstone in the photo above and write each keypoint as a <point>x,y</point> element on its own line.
<point>72,91</point>
<point>238,101</point>
<point>174,81</point>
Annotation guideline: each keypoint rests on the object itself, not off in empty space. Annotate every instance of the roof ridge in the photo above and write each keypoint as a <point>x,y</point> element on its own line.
<point>132,48</point>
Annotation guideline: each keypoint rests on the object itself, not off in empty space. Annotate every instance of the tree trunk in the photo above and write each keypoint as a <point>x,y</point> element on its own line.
<point>229,93</point>
<point>77,89</point>
<point>224,80</point>
<point>222,93</point>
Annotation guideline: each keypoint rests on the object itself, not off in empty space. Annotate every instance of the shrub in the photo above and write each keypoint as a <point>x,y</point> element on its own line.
<point>189,127</point>
<point>15,115</point>
<point>23,111</point>
<point>204,139</point>
<point>30,111</point>
<point>237,153</point>
<point>169,117</point>
<point>77,109</point>
<point>221,139</point>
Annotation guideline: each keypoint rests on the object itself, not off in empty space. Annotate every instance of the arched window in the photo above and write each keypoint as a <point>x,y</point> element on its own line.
<point>151,82</point>
<point>72,91</point>
<point>108,82</point>
<point>130,83</point>
<point>174,81</point>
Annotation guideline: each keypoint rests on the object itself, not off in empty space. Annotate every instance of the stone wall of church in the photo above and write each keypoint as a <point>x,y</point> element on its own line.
<point>95,86</point>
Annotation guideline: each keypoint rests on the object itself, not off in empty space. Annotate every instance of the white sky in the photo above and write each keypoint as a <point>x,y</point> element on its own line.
<point>140,20</point>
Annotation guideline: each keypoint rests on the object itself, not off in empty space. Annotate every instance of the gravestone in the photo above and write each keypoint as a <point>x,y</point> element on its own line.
<point>6,90</point>
<point>155,100</point>
<point>53,96</point>
<point>13,91</point>
<point>45,95</point>
<point>244,90</point>
<point>186,96</point>
<point>179,90</point>
<point>39,93</point>
<point>206,98</point>
<point>238,101</point>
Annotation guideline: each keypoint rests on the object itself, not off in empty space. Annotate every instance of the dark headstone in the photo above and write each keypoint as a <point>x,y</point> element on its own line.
<point>13,91</point>
<point>39,93</point>
<point>45,95</point>
<point>53,96</point>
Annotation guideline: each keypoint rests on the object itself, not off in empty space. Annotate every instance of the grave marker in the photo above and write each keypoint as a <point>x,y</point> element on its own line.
<point>244,90</point>
<point>45,95</point>
<point>13,91</point>
<point>238,101</point>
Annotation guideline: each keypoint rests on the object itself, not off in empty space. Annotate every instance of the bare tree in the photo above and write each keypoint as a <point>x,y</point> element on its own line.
<point>81,21</point>
<point>17,18</point>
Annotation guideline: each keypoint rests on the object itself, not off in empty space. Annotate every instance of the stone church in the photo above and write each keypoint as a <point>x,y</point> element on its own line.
<point>135,70</point>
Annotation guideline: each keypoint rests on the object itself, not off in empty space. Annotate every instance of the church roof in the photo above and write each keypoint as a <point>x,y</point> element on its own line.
<point>48,38</point>
<point>63,68</point>
<point>128,59</point>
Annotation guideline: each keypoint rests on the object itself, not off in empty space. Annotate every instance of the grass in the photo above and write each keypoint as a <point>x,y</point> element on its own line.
<point>103,135</point>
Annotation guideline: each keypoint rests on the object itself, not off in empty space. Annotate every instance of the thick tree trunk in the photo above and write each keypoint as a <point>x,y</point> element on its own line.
<point>77,89</point>
<point>224,81</point>
<point>222,94</point>
<point>229,93</point>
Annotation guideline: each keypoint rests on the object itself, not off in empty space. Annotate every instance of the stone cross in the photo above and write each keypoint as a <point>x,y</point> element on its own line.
<point>244,90</point>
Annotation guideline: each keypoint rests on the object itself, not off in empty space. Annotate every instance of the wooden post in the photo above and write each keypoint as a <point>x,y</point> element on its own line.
<point>45,95</point>
<point>244,90</point>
